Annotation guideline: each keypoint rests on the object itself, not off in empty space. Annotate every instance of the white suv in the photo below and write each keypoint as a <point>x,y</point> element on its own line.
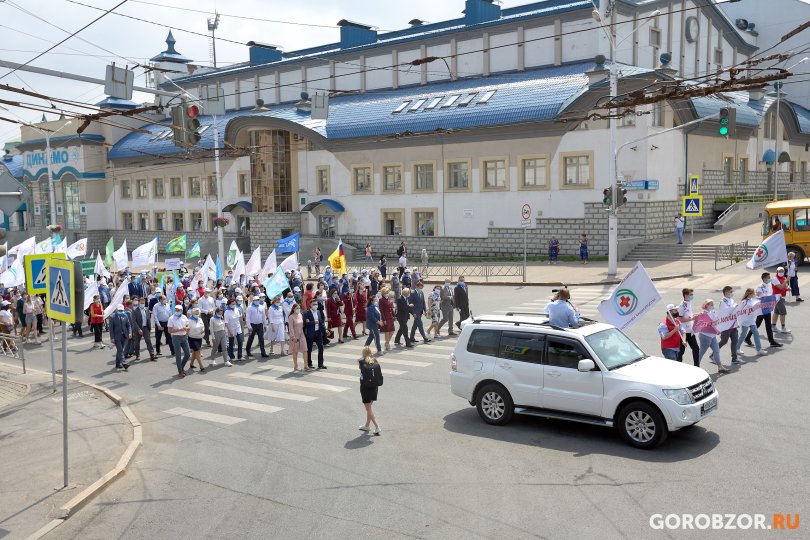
<point>593,374</point>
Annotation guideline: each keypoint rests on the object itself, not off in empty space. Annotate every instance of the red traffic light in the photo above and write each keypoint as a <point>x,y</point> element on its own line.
<point>193,111</point>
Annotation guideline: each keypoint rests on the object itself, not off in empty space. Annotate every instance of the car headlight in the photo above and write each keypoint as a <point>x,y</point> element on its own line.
<point>681,396</point>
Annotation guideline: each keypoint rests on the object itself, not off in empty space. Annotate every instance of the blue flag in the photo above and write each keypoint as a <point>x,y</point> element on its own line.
<point>276,284</point>
<point>289,244</point>
<point>219,268</point>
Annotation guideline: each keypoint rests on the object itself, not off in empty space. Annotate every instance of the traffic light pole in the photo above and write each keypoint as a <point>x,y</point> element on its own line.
<point>220,230</point>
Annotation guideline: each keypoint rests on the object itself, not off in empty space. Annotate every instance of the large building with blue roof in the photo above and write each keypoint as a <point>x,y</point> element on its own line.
<point>442,132</point>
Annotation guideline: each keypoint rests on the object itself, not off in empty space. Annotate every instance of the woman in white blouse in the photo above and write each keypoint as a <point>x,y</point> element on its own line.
<point>275,332</point>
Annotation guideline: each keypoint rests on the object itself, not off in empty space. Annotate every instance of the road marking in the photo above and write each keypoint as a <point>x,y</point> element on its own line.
<point>355,367</point>
<point>200,415</point>
<point>322,374</point>
<point>387,359</point>
<point>289,381</point>
<point>257,391</point>
<point>223,401</point>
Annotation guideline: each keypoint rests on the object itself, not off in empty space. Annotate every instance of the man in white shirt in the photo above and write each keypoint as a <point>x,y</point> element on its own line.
<point>233,328</point>
<point>178,328</point>
<point>207,306</point>
<point>766,289</point>
<point>403,262</point>
<point>680,222</point>
<point>685,316</point>
<point>793,277</point>
<point>256,316</point>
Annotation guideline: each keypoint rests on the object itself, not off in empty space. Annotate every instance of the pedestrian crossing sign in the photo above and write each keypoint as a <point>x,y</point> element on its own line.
<point>65,290</point>
<point>692,206</point>
<point>694,185</point>
<point>35,271</point>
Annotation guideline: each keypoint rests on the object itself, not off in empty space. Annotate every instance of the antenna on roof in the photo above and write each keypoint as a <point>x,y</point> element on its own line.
<point>213,24</point>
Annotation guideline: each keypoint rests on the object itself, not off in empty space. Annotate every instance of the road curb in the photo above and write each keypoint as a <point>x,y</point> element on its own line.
<point>76,503</point>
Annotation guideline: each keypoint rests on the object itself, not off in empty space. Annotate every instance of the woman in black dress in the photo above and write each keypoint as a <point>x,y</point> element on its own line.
<point>370,380</point>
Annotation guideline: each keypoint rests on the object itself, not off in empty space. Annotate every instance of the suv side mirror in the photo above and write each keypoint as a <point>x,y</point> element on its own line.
<point>586,365</point>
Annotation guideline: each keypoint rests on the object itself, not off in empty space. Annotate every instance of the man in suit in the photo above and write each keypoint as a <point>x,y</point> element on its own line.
<point>461,298</point>
<point>142,329</point>
<point>446,305</point>
<point>419,309</point>
<point>314,332</point>
<point>403,313</point>
<point>130,350</point>
<point>120,334</point>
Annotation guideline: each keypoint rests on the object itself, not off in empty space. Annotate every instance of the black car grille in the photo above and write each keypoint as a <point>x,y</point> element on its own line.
<point>702,390</point>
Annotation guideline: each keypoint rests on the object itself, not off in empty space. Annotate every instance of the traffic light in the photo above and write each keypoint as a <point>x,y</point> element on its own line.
<point>728,122</point>
<point>186,124</point>
<point>621,195</point>
<point>607,196</point>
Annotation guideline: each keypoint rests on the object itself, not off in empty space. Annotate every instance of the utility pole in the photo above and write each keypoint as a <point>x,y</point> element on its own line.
<point>213,24</point>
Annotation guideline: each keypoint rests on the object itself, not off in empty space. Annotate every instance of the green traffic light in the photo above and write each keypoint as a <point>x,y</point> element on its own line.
<point>724,130</point>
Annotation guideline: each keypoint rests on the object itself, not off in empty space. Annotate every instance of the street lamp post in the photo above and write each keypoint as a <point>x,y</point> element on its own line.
<point>777,140</point>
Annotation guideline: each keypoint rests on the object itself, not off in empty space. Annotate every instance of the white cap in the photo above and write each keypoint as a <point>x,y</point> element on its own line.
<point>239,297</point>
<point>262,295</point>
<point>780,269</point>
<point>238,290</point>
<point>178,307</point>
<point>5,303</point>
<point>207,289</point>
<point>670,307</point>
<point>296,289</point>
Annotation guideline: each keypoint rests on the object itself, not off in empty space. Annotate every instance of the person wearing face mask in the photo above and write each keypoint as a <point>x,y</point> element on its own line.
<point>349,310</point>
<point>360,302</point>
<point>295,336</point>
<point>142,329</point>
<point>708,338</point>
<point>670,332</point>
<point>196,331</point>
<point>447,306</point>
<point>120,334</point>
<point>314,333</point>
<point>97,321</point>
<point>435,302</point>
<point>793,277</point>
<point>780,289</point>
<point>403,314</point>
<point>161,314</point>
<point>275,330</point>
<point>746,317</point>
<point>419,309</point>
<point>287,304</point>
<point>206,304</point>
<point>333,305</point>
<point>765,293</point>
<point>373,318</point>
<point>178,328</point>
<point>218,338</point>
<point>387,313</point>
<point>730,334</point>
<point>256,317</point>
<point>685,316</point>
<point>233,328</point>
<point>461,298</point>
<point>29,332</point>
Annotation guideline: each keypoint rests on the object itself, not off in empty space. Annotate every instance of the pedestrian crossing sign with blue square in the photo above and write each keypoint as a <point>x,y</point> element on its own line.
<point>65,290</point>
<point>692,206</point>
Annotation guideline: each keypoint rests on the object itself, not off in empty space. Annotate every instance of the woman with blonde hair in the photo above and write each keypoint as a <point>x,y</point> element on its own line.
<point>386,306</point>
<point>370,381</point>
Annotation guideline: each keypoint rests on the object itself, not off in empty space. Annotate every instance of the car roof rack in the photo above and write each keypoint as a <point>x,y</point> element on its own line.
<point>516,323</point>
<point>526,313</point>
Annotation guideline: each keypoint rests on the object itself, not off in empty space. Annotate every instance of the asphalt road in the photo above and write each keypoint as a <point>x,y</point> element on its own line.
<point>299,468</point>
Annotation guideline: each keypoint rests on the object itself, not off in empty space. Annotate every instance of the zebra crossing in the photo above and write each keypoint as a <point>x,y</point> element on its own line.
<point>230,396</point>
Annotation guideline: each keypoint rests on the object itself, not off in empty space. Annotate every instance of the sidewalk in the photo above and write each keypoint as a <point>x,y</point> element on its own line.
<point>31,495</point>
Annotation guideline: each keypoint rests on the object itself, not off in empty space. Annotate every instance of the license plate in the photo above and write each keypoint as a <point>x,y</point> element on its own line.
<point>708,406</point>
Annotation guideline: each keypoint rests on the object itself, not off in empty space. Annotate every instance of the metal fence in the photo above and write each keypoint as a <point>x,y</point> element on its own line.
<point>484,270</point>
<point>11,347</point>
<point>733,253</point>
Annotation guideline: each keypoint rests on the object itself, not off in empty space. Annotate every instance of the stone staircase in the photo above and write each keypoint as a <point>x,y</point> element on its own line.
<point>677,252</point>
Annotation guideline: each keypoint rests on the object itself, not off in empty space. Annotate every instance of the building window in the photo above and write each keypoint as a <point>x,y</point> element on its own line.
<point>533,172</point>
<point>178,221</point>
<point>458,175</point>
<point>658,114</point>
<point>194,186</point>
<point>393,222</point>
<point>803,172</point>
<point>158,188</point>
<point>143,221</point>
<point>423,177</point>
<point>126,189</point>
<point>728,168</point>
<point>718,57</point>
<point>196,219</point>
<point>495,174</point>
<point>655,37</point>
<point>392,178</point>
<point>770,125</point>
<point>271,171</point>
<point>160,221</point>
<point>424,222</point>
<point>243,223</point>
<point>244,184</point>
<point>792,171</point>
<point>743,168</point>
<point>126,221</point>
<point>211,186</point>
<point>361,180</point>
<point>577,170</point>
<point>141,188</point>
<point>73,220</point>
<point>45,200</point>
<point>327,226</point>
<point>322,180</point>
<point>176,187</point>
<point>211,216</point>
<point>628,119</point>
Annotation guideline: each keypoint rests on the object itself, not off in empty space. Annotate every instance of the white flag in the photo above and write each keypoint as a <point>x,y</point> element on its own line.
<point>90,290</point>
<point>46,246</point>
<point>117,298</point>
<point>630,300</point>
<point>772,251</point>
<point>145,255</point>
<point>121,257</point>
<point>203,275</point>
<point>77,249</point>
<point>290,263</point>
<point>4,259</point>
<point>25,248</point>
<point>15,275</point>
<point>212,268</point>
<point>61,247</point>
<point>270,266</point>
<point>239,269</point>
<point>253,266</point>
<point>233,255</point>
<point>100,269</point>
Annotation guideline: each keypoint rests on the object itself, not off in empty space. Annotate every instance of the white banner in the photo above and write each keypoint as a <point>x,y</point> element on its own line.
<point>173,264</point>
<point>212,268</point>
<point>117,297</point>
<point>202,275</point>
<point>15,275</point>
<point>290,263</point>
<point>727,317</point>
<point>630,300</point>
<point>254,265</point>
<point>100,269</point>
<point>25,248</point>
<point>770,252</point>
<point>145,255</point>
<point>46,246</point>
<point>77,249</point>
<point>269,267</point>
<point>90,290</point>
<point>120,257</point>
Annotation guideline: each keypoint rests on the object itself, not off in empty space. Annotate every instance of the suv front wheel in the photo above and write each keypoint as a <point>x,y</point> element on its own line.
<point>494,404</point>
<point>642,425</point>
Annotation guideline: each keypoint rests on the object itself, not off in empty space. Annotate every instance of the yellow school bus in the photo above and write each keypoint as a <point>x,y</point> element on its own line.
<point>793,217</point>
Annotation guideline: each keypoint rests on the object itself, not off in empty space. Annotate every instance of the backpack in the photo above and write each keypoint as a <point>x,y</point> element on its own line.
<point>370,375</point>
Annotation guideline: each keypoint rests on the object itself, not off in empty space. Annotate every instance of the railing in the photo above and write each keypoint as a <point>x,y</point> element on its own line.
<point>726,211</point>
<point>732,252</point>
<point>11,347</point>
<point>485,270</point>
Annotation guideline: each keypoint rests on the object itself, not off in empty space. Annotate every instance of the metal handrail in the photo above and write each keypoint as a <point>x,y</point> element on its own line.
<point>726,212</point>
<point>11,347</point>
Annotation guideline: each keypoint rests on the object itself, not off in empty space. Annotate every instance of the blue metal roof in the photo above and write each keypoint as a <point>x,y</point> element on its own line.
<point>332,204</point>
<point>802,115</point>
<point>14,164</point>
<point>749,113</point>
<point>532,96</point>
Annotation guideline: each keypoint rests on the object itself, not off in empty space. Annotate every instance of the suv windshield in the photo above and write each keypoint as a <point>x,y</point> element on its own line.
<point>614,349</point>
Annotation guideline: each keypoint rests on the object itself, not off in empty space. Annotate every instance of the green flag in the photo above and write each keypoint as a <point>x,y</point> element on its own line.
<point>108,252</point>
<point>195,251</point>
<point>177,245</point>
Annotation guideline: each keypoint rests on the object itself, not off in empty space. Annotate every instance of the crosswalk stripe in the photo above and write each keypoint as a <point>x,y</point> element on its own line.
<point>321,374</point>
<point>354,367</point>
<point>257,391</point>
<point>290,382</point>
<point>201,415</point>
<point>383,360</point>
<point>414,354</point>
<point>222,400</point>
